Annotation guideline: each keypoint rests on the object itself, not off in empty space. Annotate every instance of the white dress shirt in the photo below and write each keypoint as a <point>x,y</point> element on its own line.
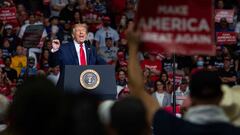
<point>77,47</point>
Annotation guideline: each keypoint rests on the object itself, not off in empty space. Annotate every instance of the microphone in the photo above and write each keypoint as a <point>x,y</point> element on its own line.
<point>87,42</point>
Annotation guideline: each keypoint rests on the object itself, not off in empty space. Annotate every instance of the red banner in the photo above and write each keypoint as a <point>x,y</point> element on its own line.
<point>183,27</point>
<point>223,13</point>
<point>227,38</point>
<point>8,15</point>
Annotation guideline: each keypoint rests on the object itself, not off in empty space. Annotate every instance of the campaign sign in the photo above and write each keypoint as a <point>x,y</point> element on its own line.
<point>227,38</point>
<point>8,15</point>
<point>224,13</point>
<point>32,36</point>
<point>182,27</point>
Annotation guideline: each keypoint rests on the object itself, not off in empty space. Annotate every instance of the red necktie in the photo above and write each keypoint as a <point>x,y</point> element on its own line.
<point>82,56</point>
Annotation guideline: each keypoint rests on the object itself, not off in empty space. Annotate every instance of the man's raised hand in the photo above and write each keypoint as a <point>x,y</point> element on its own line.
<point>55,44</point>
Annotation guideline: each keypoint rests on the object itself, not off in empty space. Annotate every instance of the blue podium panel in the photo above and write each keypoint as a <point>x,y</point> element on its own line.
<point>94,79</point>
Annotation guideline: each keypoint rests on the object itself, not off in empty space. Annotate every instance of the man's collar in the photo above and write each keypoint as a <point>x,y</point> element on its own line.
<point>75,42</point>
<point>204,114</point>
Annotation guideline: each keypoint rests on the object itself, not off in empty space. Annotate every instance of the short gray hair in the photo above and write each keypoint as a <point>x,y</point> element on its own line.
<point>84,25</point>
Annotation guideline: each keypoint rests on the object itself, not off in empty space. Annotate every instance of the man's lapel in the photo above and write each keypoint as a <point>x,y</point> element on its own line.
<point>88,50</point>
<point>74,54</point>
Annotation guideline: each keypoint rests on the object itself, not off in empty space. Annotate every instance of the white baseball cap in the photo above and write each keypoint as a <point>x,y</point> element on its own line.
<point>8,26</point>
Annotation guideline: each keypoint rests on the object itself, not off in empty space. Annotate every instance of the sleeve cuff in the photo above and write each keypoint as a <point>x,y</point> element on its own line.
<point>54,50</point>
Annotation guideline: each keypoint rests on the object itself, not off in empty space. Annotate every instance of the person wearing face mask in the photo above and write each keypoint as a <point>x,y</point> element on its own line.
<point>106,32</point>
<point>199,65</point>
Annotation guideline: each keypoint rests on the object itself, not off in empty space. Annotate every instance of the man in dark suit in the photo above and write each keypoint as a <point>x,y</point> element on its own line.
<point>79,52</point>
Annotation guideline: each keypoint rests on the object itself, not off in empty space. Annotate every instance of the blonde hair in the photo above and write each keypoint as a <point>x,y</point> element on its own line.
<point>84,25</point>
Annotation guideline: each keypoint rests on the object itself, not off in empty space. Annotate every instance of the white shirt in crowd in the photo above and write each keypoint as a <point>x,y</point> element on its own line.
<point>160,97</point>
<point>53,78</point>
<point>180,95</point>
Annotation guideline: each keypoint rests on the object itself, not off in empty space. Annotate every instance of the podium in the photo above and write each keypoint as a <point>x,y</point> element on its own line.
<point>98,80</point>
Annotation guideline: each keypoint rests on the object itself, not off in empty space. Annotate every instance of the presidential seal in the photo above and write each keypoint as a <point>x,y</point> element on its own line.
<point>89,79</point>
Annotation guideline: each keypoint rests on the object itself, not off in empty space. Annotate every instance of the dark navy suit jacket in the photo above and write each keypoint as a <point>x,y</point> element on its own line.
<point>165,123</point>
<point>67,55</point>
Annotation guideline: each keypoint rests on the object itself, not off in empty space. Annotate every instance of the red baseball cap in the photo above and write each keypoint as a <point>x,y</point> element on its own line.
<point>106,18</point>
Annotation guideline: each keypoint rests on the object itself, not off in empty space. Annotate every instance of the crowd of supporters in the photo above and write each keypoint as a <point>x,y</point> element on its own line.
<point>108,22</point>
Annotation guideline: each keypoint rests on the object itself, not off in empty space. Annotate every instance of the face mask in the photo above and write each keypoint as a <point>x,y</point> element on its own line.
<point>200,63</point>
<point>54,29</point>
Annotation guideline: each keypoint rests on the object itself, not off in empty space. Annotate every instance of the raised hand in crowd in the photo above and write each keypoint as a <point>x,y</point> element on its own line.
<point>55,45</point>
<point>136,81</point>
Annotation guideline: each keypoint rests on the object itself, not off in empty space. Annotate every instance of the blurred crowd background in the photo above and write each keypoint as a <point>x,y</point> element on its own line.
<point>108,21</point>
<point>38,107</point>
